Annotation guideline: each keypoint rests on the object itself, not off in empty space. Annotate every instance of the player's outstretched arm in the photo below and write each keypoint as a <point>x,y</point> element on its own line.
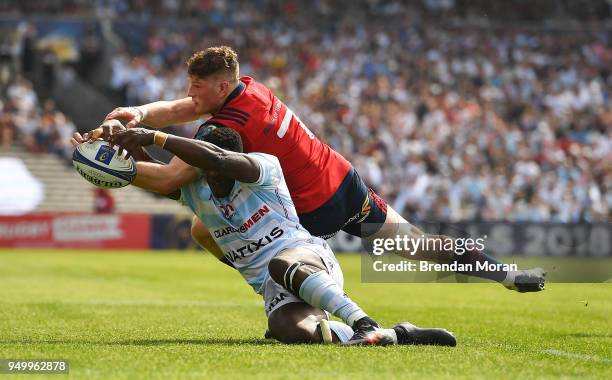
<point>200,154</point>
<point>164,179</point>
<point>153,176</point>
<point>158,114</point>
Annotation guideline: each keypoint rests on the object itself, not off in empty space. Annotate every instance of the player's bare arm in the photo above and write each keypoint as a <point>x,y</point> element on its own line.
<point>162,178</point>
<point>157,114</point>
<point>208,157</point>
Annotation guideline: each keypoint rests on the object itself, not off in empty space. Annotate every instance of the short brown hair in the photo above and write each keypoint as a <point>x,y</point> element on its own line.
<point>214,60</point>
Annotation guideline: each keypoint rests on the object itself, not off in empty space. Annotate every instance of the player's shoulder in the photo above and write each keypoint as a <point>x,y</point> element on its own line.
<point>255,95</point>
<point>270,171</point>
<point>265,158</point>
<point>246,103</point>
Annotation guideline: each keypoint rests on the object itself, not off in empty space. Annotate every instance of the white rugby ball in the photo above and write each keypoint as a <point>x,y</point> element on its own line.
<point>100,164</point>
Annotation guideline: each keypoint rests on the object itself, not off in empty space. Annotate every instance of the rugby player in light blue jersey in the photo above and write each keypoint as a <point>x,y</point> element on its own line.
<point>244,201</point>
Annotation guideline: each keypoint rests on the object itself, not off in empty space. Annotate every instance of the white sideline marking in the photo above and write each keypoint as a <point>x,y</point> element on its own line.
<point>578,356</point>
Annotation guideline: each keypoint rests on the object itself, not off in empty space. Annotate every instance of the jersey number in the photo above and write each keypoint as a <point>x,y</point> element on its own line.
<point>287,120</point>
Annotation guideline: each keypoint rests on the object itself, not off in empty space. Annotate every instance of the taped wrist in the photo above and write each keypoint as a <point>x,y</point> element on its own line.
<point>159,138</point>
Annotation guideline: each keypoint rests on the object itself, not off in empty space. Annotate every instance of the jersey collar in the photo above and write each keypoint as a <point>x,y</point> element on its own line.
<point>234,94</point>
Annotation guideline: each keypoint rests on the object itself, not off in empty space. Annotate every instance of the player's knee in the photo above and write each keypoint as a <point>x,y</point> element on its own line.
<point>290,269</point>
<point>278,266</point>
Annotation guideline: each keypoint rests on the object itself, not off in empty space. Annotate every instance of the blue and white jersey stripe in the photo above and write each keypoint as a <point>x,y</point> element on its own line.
<point>254,222</point>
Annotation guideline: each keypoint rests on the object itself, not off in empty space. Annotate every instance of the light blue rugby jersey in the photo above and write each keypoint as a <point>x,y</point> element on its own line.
<point>254,222</point>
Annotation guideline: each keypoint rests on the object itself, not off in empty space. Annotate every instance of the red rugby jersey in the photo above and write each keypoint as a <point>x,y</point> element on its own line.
<point>312,169</point>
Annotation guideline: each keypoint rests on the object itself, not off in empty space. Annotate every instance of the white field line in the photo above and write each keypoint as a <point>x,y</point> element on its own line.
<point>148,303</point>
<point>578,356</point>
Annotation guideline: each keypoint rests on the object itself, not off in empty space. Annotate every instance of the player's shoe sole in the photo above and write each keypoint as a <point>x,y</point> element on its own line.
<point>413,335</point>
<point>368,333</point>
<point>530,280</point>
<point>380,337</point>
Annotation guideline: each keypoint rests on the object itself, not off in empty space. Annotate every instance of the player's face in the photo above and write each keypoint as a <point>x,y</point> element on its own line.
<point>207,94</point>
<point>220,184</point>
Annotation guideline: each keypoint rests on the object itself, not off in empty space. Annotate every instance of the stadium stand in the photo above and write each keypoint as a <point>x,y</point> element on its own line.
<point>451,109</point>
<point>66,191</point>
<point>39,138</point>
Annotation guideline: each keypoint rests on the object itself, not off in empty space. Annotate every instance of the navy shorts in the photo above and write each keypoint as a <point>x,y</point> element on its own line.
<point>354,208</point>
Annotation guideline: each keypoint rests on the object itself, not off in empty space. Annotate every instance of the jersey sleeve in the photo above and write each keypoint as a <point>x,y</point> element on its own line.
<point>187,198</point>
<point>270,172</point>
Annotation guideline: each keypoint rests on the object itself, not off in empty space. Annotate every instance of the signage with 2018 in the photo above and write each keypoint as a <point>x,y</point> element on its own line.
<point>503,239</point>
<point>173,232</point>
<point>517,239</point>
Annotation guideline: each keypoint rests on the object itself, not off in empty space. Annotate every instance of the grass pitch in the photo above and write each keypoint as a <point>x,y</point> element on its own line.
<point>132,315</point>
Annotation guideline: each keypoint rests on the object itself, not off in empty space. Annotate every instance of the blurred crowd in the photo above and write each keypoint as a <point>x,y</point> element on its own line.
<point>446,117</point>
<point>446,122</point>
<point>38,126</point>
<point>217,9</point>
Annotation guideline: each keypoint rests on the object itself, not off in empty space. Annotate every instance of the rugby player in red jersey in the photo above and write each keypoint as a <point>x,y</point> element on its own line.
<point>327,192</point>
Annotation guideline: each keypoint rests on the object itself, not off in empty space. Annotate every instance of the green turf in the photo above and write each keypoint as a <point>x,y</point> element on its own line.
<point>158,315</point>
